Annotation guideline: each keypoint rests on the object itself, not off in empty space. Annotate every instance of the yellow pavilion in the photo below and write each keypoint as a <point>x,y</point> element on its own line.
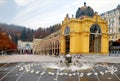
<point>87,33</point>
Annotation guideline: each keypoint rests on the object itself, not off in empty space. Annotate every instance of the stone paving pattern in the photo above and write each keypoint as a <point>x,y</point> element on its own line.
<point>12,68</point>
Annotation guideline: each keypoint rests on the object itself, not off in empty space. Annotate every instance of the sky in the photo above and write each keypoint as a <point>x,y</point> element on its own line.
<point>44,13</point>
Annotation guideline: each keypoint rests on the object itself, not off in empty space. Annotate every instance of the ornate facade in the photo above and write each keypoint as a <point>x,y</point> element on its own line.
<point>25,47</point>
<point>36,46</point>
<point>49,45</point>
<point>85,34</point>
<point>113,19</point>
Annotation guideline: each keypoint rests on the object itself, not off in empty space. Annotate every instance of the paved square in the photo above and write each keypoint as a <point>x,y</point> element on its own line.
<point>30,68</point>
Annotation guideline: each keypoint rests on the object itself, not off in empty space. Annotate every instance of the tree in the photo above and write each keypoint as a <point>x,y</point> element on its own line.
<point>23,35</point>
<point>43,32</point>
<point>12,46</point>
<point>15,30</point>
<point>16,39</point>
<point>6,43</point>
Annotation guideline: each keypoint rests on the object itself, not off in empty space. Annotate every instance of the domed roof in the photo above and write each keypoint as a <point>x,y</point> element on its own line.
<point>85,11</point>
<point>118,7</point>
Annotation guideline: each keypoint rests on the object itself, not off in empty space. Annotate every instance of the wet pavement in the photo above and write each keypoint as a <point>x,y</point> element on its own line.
<point>34,71</point>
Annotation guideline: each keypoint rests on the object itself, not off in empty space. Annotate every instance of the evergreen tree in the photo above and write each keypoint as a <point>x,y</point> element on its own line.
<point>23,35</point>
<point>16,39</point>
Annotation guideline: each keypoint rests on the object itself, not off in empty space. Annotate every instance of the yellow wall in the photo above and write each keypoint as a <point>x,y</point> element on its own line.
<point>62,46</point>
<point>80,33</point>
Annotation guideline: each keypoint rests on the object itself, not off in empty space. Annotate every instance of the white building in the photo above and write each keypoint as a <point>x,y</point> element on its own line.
<point>113,18</point>
<point>25,47</point>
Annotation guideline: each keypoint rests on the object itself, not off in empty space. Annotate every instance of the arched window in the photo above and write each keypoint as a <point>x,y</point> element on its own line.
<point>95,39</point>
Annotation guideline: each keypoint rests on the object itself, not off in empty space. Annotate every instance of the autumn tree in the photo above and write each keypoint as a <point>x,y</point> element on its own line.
<point>6,43</point>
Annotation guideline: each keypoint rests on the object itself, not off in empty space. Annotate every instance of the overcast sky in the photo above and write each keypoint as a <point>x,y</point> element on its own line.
<point>43,13</point>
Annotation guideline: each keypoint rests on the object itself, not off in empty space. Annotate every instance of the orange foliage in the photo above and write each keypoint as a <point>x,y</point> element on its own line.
<point>6,43</point>
<point>12,46</point>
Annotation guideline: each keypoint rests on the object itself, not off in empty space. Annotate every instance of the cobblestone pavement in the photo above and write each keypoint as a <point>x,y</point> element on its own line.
<point>26,58</point>
<point>13,68</point>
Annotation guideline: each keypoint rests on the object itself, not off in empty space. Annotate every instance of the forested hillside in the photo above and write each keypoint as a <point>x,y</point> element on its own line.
<point>43,32</point>
<point>17,32</point>
<point>27,34</point>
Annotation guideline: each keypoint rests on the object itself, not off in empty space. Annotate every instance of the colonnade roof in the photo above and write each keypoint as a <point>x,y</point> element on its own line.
<point>53,35</point>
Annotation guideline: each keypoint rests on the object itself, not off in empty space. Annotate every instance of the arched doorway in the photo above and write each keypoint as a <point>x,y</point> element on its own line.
<point>27,49</point>
<point>95,39</point>
<point>45,48</point>
<point>57,47</point>
<point>53,48</point>
<point>67,43</point>
<point>67,39</point>
<point>50,49</point>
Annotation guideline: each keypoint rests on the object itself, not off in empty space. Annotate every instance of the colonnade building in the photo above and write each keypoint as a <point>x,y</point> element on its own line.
<point>49,45</point>
<point>87,33</point>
